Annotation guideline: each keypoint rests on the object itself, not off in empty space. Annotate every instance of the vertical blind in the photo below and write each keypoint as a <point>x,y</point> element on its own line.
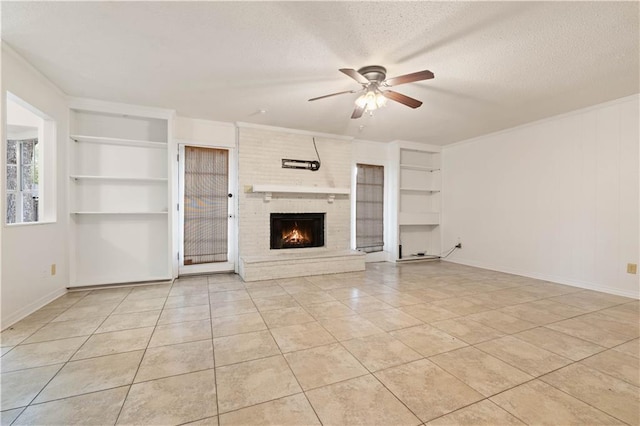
<point>369,208</point>
<point>206,185</point>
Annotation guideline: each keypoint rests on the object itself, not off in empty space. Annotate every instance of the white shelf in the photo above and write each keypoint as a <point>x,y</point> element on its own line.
<point>118,141</point>
<point>419,190</point>
<point>121,213</point>
<point>293,189</point>
<point>427,218</point>
<point>420,168</point>
<point>118,178</point>
<point>268,190</point>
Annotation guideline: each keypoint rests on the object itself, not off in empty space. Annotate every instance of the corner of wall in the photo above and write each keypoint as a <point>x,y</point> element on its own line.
<point>28,251</point>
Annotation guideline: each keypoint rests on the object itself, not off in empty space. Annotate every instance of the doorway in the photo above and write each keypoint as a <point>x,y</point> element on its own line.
<point>206,210</point>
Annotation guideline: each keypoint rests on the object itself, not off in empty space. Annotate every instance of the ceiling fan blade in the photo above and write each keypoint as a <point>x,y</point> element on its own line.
<point>333,94</point>
<point>357,113</point>
<point>355,75</point>
<point>403,99</point>
<point>409,78</point>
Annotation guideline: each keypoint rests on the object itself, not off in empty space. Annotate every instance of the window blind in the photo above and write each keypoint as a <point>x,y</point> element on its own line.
<point>206,174</point>
<point>369,208</point>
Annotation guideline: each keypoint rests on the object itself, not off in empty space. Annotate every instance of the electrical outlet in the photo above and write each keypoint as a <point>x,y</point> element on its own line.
<point>632,268</point>
<point>53,269</point>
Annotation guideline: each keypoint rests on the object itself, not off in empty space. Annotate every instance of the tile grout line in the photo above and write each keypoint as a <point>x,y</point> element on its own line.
<point>580,399</point>
<point>534,378</point>
<point>388,333</point>
<point>265,357</point>
<point>69,360</point>
<point>287,362</point>
<point>124,401</point>
<point>213,355</point>
<point>44,324</point>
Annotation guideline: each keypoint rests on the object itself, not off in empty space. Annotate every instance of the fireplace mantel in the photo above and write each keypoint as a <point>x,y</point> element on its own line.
<point>269,190</point>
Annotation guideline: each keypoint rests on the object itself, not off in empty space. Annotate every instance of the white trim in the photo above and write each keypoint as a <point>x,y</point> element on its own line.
<point>551,278</point>
<point>94,105</point>
<point>378,256</point>
<point>204,144</point>
<point>205,121</point>
<point>18,224</point>
<point>32,307</point>
<point>242,125</point>
<point>546,120</point>
<point>206,268</point>
<point>420,168</point>
<point>121,282</point>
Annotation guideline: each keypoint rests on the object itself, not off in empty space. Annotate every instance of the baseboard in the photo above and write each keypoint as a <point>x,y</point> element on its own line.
<point>31,308</point>
<point>551,278</point>
<point>379,256</point>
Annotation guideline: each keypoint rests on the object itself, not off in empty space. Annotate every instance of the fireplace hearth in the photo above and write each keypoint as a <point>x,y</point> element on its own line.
<point>297,230</point>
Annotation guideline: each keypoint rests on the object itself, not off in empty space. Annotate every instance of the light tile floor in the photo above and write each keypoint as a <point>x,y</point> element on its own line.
<point>420,343</point>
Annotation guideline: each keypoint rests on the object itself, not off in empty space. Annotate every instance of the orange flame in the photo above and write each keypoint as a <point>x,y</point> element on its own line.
<point>295,236</point>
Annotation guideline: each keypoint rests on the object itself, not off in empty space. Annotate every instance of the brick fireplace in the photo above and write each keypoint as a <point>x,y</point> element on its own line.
<point>268,191</point>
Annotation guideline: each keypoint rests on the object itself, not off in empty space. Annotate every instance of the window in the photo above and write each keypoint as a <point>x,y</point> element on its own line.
<point>22,180</point>
<point>369,208</point>
<point>26,128</point>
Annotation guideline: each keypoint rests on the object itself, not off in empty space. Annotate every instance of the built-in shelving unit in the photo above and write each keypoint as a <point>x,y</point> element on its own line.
<point>119,193</point>
<point>418,183</point>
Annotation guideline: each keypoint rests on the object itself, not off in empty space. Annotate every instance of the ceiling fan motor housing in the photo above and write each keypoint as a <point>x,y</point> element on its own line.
<point>374,73</point>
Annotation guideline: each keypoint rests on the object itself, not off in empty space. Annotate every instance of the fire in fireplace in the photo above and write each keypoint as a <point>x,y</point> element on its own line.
<point>297,230</point>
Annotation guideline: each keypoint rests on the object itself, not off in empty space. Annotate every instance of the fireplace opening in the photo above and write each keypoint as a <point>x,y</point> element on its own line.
<point>297,230</point>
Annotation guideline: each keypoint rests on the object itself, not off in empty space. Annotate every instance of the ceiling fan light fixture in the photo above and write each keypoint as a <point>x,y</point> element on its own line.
<point>381,100</point>
<point>371,100</point>
<point>374,77</point>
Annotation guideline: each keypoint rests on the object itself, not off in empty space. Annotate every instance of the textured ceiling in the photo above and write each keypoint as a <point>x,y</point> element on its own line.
<point>497,64</point>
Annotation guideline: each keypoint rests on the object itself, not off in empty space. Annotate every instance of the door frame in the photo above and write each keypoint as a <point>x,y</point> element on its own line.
<point>231,265</point>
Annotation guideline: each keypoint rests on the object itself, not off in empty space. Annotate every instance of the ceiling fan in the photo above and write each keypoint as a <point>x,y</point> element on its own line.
<point>373,80</point>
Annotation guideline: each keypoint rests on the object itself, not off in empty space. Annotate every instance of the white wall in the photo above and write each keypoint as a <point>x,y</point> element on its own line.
<point>206,132</point>
<point>29,250</point>
<point>20,116</point>
<point>556,199</point>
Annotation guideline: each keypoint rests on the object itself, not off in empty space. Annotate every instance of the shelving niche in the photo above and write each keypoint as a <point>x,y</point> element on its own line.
<point>418,199</point>
<point>119,193</point>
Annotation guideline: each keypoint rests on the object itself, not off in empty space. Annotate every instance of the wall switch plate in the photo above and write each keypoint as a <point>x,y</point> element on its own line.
<point>632,268</point>
<point>53,269</point>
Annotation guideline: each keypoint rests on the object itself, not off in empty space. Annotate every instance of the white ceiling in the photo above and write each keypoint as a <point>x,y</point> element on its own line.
<point>497,64</point>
